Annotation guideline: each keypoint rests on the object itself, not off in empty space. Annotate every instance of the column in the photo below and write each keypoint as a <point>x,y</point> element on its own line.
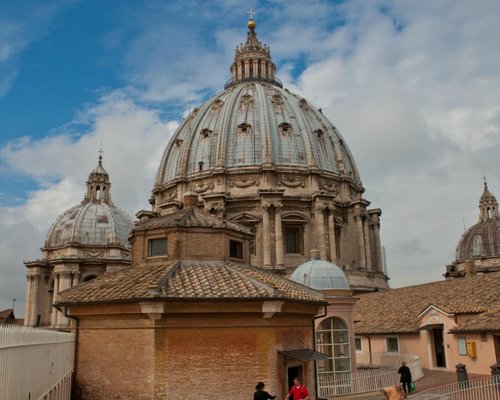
<point>378,247</point>
<point>255,68</point>
<point>331,234</point>
<point>240,70</point>
<point>263,69</point>
<point>320,227</point>
<point>27,304</point>
<point>65,279</point>
<point>76,279</point>
<point>368,253</point>
<point>361,239</point>
<point>278,234</point>
<point>53,319</point>
<point>247,69</point>
<point>35,306</point>
<point>266,237</point>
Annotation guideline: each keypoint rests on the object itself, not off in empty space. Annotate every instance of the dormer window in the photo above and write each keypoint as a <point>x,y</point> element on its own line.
<point>205,132</point>
<point>246,99</point>
<point>276,99</point>
<point>319,132</point>
<point>200,166</point>
<point>244,128</point>
<point>285,128</point>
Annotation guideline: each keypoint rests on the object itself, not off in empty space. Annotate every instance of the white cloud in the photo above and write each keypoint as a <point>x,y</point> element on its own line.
<point>133,139</point>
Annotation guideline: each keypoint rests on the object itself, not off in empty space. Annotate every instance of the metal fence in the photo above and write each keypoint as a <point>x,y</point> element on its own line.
<point>476,389</point>
<point>35,363</point>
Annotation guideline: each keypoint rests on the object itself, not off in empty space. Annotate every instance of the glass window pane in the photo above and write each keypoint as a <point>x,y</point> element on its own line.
<point>157,247</point>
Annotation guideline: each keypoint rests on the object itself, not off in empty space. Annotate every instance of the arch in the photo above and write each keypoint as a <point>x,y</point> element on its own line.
<point>88,277</point>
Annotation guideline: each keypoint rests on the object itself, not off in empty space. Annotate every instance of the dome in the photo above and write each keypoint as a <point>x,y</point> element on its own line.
<point>96,221</point>
<point>483,238</point>
<point>255,123</point>
<point>90,224</point>
<point>320,275</point>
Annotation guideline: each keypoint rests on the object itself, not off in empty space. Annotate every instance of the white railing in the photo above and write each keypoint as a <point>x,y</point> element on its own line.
<point>476,389</point>
<point>35,363</point>
<point>363,380</point>
<point>393,360</point>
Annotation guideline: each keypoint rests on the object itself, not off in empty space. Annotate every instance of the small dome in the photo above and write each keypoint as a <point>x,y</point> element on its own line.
<point>320,275</point>
<point>96,221</point>
<point>480,240</point>
<point>90,224</point>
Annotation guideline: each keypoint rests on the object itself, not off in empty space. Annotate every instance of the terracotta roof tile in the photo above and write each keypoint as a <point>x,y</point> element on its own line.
<point>397,310</point>
<point>189,280</point>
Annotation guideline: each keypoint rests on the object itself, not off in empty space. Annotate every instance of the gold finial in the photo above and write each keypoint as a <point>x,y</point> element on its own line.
<point>251,24</point>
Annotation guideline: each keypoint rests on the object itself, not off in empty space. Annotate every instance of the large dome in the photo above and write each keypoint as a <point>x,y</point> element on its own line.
<point>264,157</point>
<point>96,221</point>
<point>255,124</point>
<point>320,275</point>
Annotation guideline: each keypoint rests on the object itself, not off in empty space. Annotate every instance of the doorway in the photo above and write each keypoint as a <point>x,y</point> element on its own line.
<point>437,335</point>
<point>294,372</point>
<point>496,343</point>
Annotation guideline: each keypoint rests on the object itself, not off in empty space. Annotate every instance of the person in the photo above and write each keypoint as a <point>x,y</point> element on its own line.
<point>260,393</point>
<point>405,379</point>
<point>298,391</point>
<point>394,392</point>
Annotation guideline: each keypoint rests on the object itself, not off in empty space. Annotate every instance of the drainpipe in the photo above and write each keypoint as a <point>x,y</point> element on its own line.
<point>64,311</point>
<point>369,347</point>
<point>314,346</point>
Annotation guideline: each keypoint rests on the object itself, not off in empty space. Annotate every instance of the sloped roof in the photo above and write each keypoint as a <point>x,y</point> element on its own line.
<point>7,315</point>
<point>189,280</point>
<point>190,217</point>
<point>397,310</point>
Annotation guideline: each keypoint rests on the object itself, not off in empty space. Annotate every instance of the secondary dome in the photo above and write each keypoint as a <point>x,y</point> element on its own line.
<point>320,275</point>
<point>483,238</point>
<point>96,221</point>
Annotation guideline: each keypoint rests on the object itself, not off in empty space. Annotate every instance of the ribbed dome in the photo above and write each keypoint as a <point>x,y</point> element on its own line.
<point>90,224</point>
<point>96,221</point>
<point>255,124</point>
<point>483,238</point>
<point>320,275</point>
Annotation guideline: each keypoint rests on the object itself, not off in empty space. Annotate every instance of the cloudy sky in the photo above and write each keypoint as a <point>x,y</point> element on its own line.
<point>414,87</point>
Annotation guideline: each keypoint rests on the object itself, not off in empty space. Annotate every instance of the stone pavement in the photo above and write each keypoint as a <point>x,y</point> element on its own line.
<point>431,379</point>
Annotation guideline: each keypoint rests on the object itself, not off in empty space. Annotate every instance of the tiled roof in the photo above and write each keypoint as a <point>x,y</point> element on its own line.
<point>397,310</point>
<point>193,218</point>
<point>192,280</point>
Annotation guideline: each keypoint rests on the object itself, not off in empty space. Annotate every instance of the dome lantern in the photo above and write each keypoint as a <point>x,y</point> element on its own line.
<point>252,60</point>
<point>488,206</point>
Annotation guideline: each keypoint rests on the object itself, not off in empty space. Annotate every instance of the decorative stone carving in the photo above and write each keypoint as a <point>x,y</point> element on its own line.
<point>178,142</point>
<point>276,99</point>
<point>329,187</point>
<point>246,99</point>
<point>170,195</point>
<point>202,186</point>
<point>291,181</point>
<point>265,204</point>
<point>94,254</point>
<point>217,104</point>
<point>319,205</point>
<point>217,206</point>
<point>245,181</point>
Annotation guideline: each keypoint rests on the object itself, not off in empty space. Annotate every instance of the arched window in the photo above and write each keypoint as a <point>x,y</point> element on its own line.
<point>332,338</point>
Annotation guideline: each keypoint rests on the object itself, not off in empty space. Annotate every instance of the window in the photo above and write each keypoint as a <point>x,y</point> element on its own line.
<point>157,247</point>
<point>358,344</point>
<point>332,339</point>
<point>292,240</point>
<point>392,344</point>
<point>235,249</point>
<point>462,346</point>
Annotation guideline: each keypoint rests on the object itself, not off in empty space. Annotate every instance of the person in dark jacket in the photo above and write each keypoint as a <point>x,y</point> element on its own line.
<point>260,393</point>
<point>405,379</point>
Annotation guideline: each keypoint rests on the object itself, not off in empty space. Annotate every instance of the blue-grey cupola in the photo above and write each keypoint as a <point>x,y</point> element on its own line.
<point>320,275</point>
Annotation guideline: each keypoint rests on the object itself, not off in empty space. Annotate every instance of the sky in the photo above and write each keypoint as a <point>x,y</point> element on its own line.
<point>413,86</point>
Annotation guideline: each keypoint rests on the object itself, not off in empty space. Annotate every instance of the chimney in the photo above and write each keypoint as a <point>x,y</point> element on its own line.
<point>190,200</point>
